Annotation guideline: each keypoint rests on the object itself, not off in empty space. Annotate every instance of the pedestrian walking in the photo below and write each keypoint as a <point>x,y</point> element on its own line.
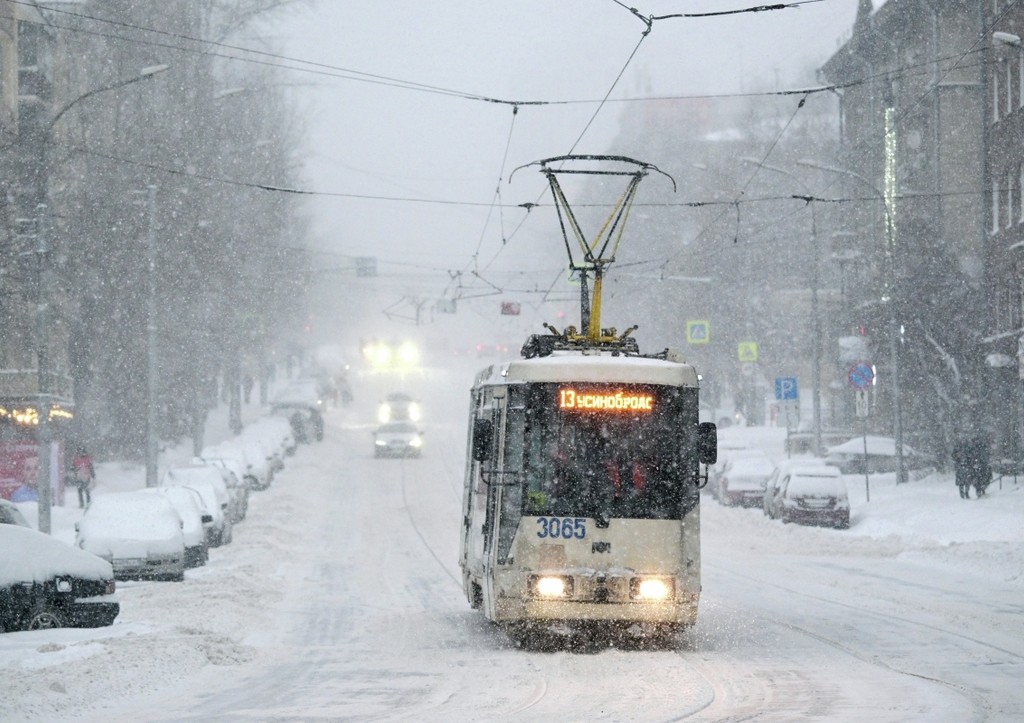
<point>981,464</point>
<point>84,476</point>
<point>962,466</point>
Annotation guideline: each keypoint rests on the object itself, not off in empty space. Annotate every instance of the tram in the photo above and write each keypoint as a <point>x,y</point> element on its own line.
<point>581,500</point>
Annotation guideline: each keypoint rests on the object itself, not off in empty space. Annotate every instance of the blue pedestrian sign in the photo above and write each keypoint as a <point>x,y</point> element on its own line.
<point>861,375</point>
<point>785,389</point>
<point>698,331</point>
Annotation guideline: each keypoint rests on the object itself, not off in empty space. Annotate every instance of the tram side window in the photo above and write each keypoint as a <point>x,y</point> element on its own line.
<point>512,490</point>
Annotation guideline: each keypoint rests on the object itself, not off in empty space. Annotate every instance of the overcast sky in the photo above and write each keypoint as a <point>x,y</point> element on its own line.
<point>374,139</point>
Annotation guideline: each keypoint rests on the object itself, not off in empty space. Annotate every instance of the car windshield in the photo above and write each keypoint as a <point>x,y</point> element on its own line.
<point>398,428</point>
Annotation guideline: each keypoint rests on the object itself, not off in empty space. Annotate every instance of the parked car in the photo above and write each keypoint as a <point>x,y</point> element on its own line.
<point>881,456</point>
<point>305,418</point>
<point>139,534</point>
<point>45,583</point>
<point>11,515</point>
<point>195,518</point>
<point>769,503</point>
<point>743,478</point>
<point>399,407</point>
<point>397,439</point>
<point>233,458</point>
<point>206,480</point>
<point>815,496</point>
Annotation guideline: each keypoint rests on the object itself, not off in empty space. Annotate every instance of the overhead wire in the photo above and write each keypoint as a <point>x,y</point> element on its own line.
<point>446,91</point>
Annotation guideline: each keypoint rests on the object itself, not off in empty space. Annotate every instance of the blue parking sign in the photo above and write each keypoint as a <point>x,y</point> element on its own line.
<point>785,389</point>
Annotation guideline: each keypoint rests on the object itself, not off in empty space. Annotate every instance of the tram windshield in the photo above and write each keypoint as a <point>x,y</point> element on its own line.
<point>609,450</point>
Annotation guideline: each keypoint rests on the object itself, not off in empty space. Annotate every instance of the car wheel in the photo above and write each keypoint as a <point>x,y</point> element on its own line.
<point>45,617</point>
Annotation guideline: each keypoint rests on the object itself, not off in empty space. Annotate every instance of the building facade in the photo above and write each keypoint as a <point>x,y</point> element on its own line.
<point>913,227</point>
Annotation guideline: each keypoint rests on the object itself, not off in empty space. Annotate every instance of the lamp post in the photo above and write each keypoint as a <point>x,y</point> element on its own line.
<point>151,445</point>
<point>815,312</point>
<point>891,300</point>
<point>42,313</point>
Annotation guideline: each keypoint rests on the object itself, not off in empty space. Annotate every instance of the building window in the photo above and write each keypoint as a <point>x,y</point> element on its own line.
<point>1009,88</point>
<point>1008,309</point>
<point>1010,181</point>
<point>1020,192</point>
<point>995,96</point>
<point>1020,77</point>
<point>995,206</point>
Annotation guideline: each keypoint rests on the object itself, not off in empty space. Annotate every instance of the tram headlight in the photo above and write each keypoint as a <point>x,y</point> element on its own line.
<point>384,413</point>
<point>651,589</point>
<point>550,586</point>
<point>415,413</point>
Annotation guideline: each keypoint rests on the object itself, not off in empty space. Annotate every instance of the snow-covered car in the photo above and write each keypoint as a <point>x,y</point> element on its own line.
<point>233,458</point>
<point>194,520</point>
<point>260,459</point>
<point>207,481</point>
<point>399,407</point>
<point>398,439</point>
<point>850,456</point>
<point>139,534</point>
<point>11,515</point>
<point>769,502</point>
<point>813,496</point>
<point>45,583</point>
<point>306,419</point>
<point>276,432</point>
<point>272,446</point>
<point>236,466</point>
<point>743,478</point>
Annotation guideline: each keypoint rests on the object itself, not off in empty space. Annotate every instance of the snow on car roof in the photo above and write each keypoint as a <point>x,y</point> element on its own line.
<point>31,556</point>
<point>131,515</point>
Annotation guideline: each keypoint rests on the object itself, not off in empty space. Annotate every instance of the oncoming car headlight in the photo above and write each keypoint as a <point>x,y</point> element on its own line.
<point>651,589</point>
<point>550,586</point>
<point>416,442</point>
<point>408,354</point>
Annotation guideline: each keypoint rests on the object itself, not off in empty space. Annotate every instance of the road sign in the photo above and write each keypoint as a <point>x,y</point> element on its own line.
<point>785,388</point>
<point>861,375</point>
<point>698,332</point>
<point>862,403</point>
<point>746,351</point>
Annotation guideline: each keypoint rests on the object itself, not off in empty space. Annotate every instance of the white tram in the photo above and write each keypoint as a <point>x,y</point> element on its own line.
<point>581,503</point>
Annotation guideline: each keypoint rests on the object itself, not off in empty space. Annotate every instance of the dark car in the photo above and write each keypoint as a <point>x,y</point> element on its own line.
<point>45,583</point>
<point>11,515</point>
<point>813,496</point>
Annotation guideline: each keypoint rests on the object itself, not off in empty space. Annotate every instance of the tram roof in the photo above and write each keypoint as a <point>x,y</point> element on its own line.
<point>571,366</point>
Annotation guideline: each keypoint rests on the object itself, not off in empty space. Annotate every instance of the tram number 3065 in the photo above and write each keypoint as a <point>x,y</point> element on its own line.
<point>565,528</point>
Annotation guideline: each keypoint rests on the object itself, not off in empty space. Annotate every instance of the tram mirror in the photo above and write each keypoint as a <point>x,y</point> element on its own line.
<point>707,443</point>
<point>483,436</point>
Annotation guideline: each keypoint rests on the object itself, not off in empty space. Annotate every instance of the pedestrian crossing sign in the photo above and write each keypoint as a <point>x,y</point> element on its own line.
<point>746,351</point>
<point>698,332</point>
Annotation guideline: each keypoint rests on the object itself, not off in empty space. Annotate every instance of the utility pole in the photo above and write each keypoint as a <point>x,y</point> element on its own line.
<point>151,442</point>
<point>42,368</point>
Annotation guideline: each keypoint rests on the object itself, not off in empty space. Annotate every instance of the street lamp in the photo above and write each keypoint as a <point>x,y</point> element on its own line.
<point>894,329</point>
<point>815,314</point>
<point>42,323</point>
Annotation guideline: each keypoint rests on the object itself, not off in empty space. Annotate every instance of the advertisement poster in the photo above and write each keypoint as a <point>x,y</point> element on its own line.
<point>19,471</point>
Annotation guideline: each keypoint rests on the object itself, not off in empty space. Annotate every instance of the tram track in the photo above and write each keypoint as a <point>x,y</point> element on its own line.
<point>981,706</point>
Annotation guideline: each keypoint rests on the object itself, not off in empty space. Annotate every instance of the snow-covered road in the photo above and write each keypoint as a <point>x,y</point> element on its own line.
<point>340,600</point>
